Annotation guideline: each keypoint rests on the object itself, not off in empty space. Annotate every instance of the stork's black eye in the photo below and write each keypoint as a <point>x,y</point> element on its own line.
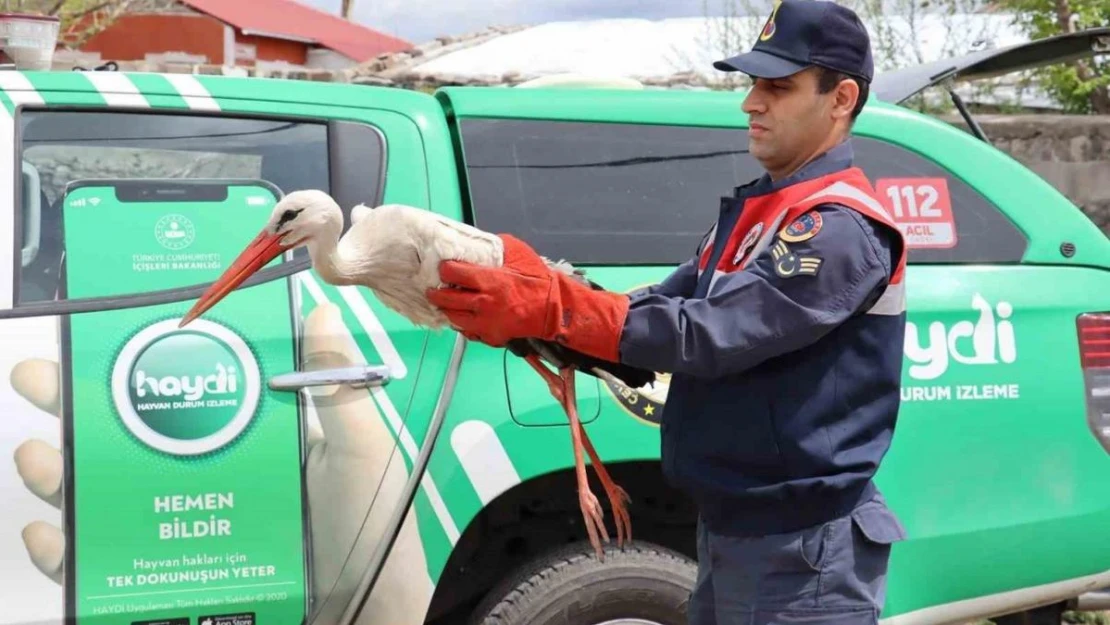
<point>287,216</point>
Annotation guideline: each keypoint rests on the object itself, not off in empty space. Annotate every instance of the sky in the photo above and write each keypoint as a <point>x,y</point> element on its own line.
<point>422,20</point>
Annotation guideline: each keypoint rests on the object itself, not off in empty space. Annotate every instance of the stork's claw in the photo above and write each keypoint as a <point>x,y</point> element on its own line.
<point>618,498</point>
<point>592,514</point>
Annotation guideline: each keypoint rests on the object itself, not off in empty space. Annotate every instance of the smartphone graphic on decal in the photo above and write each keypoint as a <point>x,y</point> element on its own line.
<point>184,490</point>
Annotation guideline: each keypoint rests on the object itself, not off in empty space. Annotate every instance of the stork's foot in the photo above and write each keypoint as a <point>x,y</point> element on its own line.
<point>592,514</point>
<point>618,501</point>
<point>618,498</point>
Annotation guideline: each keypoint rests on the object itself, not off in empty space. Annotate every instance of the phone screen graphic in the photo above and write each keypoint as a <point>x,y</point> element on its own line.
<point>184,489</point>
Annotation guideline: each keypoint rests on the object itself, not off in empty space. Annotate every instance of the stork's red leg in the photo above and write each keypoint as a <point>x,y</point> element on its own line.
<point>618,498</point>
<point>554,382</point>
<point>591,508</point>
<point>562,387</point>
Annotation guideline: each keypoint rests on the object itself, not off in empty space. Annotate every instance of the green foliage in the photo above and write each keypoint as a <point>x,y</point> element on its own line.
<point>1087,618</point>
<point>1081,86</point>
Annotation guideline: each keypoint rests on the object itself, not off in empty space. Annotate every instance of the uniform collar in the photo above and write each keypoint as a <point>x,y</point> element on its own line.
<point>837,158</point>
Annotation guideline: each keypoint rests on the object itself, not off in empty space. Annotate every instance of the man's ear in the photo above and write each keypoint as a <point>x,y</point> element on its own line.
<point>844,98</point>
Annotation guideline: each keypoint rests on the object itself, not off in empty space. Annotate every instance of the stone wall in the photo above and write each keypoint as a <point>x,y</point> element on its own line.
<point>1072,152</point>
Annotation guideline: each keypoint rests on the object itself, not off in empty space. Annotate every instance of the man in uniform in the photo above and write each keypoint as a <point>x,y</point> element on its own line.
<point>783,333</point>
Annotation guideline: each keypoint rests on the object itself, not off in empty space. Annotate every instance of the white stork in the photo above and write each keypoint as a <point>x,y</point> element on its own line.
<point>395,251</point>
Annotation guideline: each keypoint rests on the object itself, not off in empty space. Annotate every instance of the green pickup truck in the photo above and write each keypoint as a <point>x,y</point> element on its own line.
<point>305,455</point>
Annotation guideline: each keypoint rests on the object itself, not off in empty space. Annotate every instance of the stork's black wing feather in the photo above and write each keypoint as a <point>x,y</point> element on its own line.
<point>634,377</point>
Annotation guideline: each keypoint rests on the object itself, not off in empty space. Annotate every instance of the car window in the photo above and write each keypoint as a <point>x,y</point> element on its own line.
<point>943,219</point>
<point>61,147</point>
<point>601,193</point>
<point>608,193</point>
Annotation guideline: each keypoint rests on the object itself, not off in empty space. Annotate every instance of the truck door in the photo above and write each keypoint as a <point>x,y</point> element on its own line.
<point>245,470</point>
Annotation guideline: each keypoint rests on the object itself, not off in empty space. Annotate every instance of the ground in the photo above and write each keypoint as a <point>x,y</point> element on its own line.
<point>1081,618</point>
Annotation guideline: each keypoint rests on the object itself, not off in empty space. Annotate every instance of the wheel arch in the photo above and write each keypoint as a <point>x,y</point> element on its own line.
<point>540,514</point>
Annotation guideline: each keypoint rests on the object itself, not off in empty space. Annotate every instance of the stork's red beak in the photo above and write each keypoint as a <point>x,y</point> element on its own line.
<point>263,249</point>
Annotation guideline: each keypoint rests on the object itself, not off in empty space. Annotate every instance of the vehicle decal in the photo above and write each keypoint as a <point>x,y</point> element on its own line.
<point>19,89</point>
<point>70,88</point>
<point>7,218</point>
<point>645,404</point>
<point>374,330</point>
<point>158,91</point>
<point>197,96</point>
<point>989,340</point>
<point>393,418</point>
<point>484,459</point>
<point>116,89</point>
<point>194,93</point>
<point>407,442</point>
<point>922,208</point>
<point>309,283</point>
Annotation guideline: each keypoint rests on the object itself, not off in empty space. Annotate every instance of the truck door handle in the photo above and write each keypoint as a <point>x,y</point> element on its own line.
<point>359,377</point>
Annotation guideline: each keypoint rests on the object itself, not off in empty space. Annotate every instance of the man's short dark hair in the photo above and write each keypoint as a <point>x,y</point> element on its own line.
<point>828,79</point>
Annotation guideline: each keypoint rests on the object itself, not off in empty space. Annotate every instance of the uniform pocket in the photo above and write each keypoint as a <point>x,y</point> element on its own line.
<point>765,572</point>
<point>736,434</point>
<point>854,577</point>
<point>878,524</point>
<point>814,546</point>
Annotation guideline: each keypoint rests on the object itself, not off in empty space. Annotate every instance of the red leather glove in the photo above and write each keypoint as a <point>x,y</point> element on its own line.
<point>524,298</point>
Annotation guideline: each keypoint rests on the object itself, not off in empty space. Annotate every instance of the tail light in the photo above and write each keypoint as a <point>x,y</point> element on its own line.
<point>1094,355</point>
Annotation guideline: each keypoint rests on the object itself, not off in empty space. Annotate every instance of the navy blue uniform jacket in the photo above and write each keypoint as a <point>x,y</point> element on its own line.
<point>786,374</point>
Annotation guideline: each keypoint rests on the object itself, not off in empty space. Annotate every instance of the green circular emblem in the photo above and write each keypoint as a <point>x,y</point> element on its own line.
<point>186,391</point>
<point>174,232</point>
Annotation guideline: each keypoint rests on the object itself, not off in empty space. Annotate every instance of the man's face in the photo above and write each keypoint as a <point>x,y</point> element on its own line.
<point>789,119</point>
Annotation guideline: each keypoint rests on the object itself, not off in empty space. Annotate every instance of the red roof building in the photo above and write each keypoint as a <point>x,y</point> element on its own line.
<point>220,32</point>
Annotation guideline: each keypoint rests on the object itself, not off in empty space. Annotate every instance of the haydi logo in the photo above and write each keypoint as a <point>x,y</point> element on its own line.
<point>186,391</point>
<point>986,341</point>
<point>223,382</point>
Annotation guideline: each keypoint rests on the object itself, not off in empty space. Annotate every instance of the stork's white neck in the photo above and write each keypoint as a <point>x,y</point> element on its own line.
<point>329,261</point>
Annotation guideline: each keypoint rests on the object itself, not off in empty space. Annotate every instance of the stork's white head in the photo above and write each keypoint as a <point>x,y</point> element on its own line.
<point>303,216</point>
<point>300,218</point>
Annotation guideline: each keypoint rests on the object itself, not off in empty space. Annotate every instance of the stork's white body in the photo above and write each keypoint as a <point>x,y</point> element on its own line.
<point>395,251</point>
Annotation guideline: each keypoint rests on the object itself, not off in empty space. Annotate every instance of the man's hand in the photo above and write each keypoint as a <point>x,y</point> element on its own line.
<point>526,298</point>
<point>498,304</point>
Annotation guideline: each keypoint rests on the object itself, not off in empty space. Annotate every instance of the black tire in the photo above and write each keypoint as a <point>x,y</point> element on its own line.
<point>570,585</point>
<point>1045,615</point>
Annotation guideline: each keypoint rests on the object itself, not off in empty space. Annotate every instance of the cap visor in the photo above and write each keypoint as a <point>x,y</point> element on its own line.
<point>760,65</point>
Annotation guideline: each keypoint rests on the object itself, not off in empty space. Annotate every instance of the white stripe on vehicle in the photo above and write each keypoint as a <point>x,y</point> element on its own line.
<point>393,418</point>
<point>375,331</point>
<point>985,606</point>
<point>312,287</point>
<point>7,218</point>
<point>19,89</point>
<point>194,93</point>
<point>483,459</point>
<point>116,89</point>
<point>403,434</point>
